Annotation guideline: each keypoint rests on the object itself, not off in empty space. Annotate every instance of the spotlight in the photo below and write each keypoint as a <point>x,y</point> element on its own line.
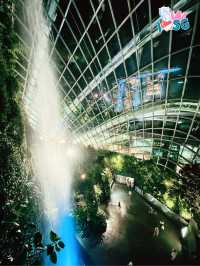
<point>83,176</point>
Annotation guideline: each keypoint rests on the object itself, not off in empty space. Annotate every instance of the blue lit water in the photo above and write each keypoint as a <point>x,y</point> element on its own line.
<point>70,255</point>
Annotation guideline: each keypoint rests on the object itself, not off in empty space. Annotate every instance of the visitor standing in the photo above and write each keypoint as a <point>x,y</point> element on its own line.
<point>162,225</point>
<point>156,231</point>
<point>173,254</point>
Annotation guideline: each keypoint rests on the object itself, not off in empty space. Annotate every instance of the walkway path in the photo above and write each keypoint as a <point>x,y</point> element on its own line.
<point>130,234</point>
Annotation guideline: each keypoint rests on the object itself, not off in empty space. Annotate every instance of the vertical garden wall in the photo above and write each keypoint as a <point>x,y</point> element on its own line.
<point>18,204</point>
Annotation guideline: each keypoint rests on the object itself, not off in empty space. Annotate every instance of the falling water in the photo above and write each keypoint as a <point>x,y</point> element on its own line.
<point>51,143</point>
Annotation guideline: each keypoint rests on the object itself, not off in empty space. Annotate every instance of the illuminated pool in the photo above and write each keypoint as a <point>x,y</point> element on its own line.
<point>70,255</point>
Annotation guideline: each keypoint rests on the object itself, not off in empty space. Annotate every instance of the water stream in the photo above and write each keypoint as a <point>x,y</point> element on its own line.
<point>51,147</point>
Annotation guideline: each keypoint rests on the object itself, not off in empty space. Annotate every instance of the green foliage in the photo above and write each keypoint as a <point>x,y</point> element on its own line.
<point>82,219</point>
<point>18,205</point>
<point>53,257</point>
<point>88,217</point>
<point>54,247</point>
<point>37,239</point>
<point>116,162</point>
<point>53,236</point>
<point>186,189</point>
<point>90,194</point>
<point>95,189</point>
<point>61,244</point>
<point>148,176</point>
<point>35,247</point>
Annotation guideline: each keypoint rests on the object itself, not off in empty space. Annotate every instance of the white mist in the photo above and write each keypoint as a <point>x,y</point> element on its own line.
<point>51,144</point>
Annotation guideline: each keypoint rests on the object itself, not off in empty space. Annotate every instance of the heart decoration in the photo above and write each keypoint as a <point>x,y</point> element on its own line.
<point>166,25</point>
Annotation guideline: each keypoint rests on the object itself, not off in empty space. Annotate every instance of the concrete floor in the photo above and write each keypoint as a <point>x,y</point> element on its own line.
<point>130,234</point>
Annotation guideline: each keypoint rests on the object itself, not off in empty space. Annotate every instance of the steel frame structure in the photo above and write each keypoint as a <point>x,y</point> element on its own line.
<point>88,73</point>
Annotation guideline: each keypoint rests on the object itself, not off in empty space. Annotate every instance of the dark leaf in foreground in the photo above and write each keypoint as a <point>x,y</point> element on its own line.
<point>50,249</point>
<point>53,257</point>
<point>53,236</point>
<point>38,239</point>
<point>61,244</point>
<point>57,248</point>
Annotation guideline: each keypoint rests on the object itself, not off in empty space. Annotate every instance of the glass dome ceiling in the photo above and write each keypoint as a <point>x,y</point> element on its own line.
<point>125,86</point>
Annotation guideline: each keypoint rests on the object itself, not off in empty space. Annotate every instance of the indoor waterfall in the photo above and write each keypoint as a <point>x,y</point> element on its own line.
<point>51,143</point>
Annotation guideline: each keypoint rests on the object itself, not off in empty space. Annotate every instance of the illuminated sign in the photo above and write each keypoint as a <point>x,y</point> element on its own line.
<point>121,95</point>
<point>171,20</point>
<point>152,84</point>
